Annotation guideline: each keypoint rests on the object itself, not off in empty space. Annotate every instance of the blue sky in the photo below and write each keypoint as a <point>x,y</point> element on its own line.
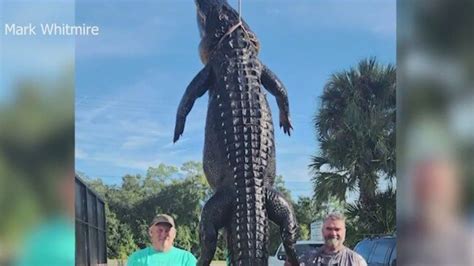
<point>130,79</point>
<point>39,58</point>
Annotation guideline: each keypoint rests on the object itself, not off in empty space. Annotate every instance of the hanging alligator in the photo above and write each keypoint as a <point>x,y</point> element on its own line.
<point>239,150</point>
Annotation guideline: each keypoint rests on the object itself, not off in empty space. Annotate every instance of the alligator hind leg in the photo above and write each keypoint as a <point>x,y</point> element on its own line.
<point>281,213</point>
<point>215,215</point>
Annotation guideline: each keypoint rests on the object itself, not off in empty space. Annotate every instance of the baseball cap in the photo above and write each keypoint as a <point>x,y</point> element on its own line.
<point>163,218</point>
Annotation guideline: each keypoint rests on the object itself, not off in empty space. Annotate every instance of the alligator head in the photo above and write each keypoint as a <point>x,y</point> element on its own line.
<point>215,18</point>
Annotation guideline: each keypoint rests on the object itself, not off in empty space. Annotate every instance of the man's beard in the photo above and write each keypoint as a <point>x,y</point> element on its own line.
<point>332,242</point>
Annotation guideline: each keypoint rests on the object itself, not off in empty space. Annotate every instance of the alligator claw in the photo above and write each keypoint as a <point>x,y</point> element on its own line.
<point>178,130</point>
<point>176,137</point>
<point>285,123</point>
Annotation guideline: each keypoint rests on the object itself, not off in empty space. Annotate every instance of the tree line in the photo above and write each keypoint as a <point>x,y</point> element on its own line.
<point>180,192</point>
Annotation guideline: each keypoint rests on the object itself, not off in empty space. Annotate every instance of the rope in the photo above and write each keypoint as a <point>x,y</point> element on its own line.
<point>240,10</point>
<point>229,32</point>
<point>232,29</point>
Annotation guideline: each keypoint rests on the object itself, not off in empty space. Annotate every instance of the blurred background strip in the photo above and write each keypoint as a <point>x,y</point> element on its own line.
<point>36,137</point>
<point>435,143</point>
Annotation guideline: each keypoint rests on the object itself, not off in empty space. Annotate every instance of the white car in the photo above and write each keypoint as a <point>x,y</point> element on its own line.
<point>301,247</point>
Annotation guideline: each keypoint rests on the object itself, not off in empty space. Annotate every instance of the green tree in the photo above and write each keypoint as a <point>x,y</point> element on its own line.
<point>180,192</point>
<point>120,242</point>
<point>131,191</point>
<point>333,204</point>
<point>157,177</point>
<point>195,172</point>
<point>280,187</point>
<point>378,220</point>
<point>305,212</point>
<point>356,130</point>
<point>161,173</point>
<point>133,203</point>
<point>192,168</point>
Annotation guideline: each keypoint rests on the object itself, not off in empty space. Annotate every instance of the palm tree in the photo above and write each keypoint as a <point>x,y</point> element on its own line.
<point>355,127</point>
<point>382,220</point>
<point>379,220</point>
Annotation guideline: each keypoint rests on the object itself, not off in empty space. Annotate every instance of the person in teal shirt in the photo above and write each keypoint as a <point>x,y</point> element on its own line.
<point>162,232</point>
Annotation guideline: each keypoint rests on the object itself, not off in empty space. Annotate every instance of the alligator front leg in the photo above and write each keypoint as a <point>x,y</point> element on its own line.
<point>215,215</point>
<point>271,82</point>
<point>198,86</point>
<point>281,213</point>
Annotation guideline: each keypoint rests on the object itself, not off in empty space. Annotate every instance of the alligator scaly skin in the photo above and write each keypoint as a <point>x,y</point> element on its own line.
<point>245,136</point>
<point>239,151</point>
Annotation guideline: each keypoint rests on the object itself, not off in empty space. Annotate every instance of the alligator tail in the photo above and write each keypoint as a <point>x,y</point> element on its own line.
<point>250,229</point>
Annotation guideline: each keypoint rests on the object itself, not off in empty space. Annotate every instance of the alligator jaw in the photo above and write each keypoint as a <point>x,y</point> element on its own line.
<point>214,19</point>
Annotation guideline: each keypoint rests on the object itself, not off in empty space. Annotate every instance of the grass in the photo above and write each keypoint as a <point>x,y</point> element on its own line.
<point>218,263</point>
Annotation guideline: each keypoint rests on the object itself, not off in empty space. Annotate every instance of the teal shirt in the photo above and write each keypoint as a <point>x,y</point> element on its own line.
<point>52,244</point>
<point>173,257</point>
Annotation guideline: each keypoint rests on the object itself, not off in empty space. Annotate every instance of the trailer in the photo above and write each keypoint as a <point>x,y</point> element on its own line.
<point>91,240</point>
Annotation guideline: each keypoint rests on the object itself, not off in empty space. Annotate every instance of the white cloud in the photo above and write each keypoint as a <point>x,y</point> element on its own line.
<point>136,142</point>
<point>376,17</point>
<point>40,57</point>
<point>88,115</point>
<point>124,161</point>
<point>295,171</point>
<point>145,32</point>
<point>80,154</point>
<point>301,150</point>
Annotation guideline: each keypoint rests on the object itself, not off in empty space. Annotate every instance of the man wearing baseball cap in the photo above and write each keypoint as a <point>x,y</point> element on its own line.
<point>162,232</point>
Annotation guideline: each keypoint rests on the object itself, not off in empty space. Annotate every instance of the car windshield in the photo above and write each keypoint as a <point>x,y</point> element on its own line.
<point>301,249</point>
